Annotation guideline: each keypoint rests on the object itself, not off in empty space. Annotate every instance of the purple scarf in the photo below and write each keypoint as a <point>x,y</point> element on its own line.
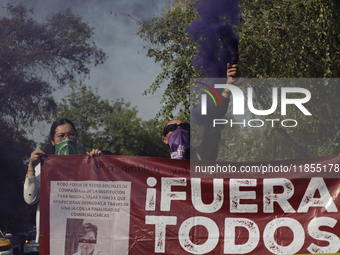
<point>179,142</point>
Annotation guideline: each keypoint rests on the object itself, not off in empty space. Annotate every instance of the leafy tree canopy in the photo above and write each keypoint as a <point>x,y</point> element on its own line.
<point>106,125</point>
<point>171,46</point>
<point>32,52</point>
<point>295,39</point>
<point>61,47</point>
<point>278,39</point>
<point>290,38</point>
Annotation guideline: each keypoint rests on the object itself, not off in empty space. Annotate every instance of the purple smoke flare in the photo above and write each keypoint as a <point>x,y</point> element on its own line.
<point>216,39</point>
<point>217,42</point>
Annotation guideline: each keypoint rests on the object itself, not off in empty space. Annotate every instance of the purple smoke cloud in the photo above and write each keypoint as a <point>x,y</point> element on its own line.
<point>215,36</point>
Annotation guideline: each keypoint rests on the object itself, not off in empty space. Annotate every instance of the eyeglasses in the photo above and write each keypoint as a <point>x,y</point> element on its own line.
<point>62,136</point>
<point>173,127</point>
<point>83,240</point>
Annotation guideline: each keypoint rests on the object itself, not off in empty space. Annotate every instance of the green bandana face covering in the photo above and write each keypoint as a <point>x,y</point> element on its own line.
<point>66,147</point>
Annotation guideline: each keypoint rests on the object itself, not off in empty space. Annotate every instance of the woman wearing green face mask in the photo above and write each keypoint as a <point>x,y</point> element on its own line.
<point>60,130</point>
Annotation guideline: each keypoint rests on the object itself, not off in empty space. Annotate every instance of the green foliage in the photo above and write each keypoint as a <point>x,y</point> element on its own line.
<point>295,39</point>
<point>112,126</point>
<point>61,47</point>
<point>31,53</point>
<point>171,46</point>
<point>278,39</point>
<point>315,135</point>
<point>289,38</point>
<point>152,139</point>
<point>253,145</point>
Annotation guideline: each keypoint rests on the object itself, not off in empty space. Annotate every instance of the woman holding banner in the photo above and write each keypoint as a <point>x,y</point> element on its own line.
<point>63,136</point>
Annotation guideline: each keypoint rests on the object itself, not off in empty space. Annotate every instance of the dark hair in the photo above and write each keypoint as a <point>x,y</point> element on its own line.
<point>56,124</point>
<point>87,227</point>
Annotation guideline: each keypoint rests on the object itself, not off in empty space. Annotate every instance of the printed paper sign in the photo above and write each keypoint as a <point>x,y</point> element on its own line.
<point>106,205</point>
